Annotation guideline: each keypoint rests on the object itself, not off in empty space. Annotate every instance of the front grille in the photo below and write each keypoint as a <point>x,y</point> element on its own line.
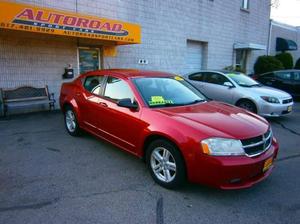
<point>287,101</point>
<point>257,145</point>
<point>285,112</point>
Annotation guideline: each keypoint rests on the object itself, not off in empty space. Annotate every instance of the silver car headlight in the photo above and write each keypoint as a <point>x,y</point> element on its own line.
<point>270,99</point>
<point>222,147</point>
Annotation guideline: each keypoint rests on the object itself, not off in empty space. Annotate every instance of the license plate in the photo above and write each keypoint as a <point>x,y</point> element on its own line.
<point>268,164</point>
<point>289,109</point>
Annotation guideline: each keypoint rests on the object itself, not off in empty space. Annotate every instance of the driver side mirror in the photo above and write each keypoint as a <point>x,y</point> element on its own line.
<point>128,104</point>
<point>228,84</point>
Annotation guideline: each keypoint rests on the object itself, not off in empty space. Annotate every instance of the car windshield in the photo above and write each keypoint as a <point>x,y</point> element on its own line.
<point>243,80</point>
<point>167,91</point>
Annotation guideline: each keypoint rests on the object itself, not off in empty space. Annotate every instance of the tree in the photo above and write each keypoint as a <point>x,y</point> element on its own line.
<point>286,60</point>
<point>266,63</point>
<point>275,3</point>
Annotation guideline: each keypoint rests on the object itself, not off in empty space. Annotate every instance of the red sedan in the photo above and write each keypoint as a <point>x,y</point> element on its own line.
<point>163,119</point>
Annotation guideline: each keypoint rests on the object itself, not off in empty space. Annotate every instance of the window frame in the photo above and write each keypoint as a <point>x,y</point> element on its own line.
<point>245,5</point>
<point>103,81</point>
<point>100,60</point>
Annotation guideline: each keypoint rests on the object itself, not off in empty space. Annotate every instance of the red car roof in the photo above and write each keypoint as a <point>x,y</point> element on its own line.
<point>128,73</point>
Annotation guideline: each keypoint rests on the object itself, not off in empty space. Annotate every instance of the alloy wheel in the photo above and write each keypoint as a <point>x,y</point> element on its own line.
<point>70,121</point>
<point>163,164</point>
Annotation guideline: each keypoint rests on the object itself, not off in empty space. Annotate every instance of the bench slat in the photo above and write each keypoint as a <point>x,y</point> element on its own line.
<point>24,92</point>
<point>26,96</point>
<point>27,99</point>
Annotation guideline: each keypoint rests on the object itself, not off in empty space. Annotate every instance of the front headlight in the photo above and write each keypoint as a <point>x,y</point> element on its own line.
<point>270,99</point>
<point>222,147</point>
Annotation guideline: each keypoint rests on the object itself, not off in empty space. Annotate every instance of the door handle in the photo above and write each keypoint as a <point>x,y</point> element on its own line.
<point>103,104</point>
<point>78,94</point>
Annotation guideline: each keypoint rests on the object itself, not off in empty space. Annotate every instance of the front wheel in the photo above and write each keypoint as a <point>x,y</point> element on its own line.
<point>71,122</point>
<point>165,164</point>
<point>247,105</point>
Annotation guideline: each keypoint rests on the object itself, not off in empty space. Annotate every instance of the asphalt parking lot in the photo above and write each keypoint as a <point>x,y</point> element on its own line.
<point>47,176</point>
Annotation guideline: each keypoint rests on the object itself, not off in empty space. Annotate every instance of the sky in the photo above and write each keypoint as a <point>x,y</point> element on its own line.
<point>288,11</point>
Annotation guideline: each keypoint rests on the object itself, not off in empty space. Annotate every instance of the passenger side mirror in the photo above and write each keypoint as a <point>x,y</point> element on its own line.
<point>228,84</point>
<point>127,103</point>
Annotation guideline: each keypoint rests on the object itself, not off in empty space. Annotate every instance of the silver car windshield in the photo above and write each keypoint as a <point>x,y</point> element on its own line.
<point>243,80</point>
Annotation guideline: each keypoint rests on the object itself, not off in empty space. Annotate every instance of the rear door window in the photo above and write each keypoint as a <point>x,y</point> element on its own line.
<point>283,75</point>
<point>94,84</point>
<point>197,77</point>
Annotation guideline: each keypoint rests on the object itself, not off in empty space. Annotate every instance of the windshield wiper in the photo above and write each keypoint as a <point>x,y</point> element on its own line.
<point>256,85</point>
<point>184,104</point>
<point>196,101</point>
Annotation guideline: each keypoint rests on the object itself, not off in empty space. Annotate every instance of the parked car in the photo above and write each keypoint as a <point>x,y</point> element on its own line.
<point>163,119</point>
<point>240,90</point>
<point>287,80</point>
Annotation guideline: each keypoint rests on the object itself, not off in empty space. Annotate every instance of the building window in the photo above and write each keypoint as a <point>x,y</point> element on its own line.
<point>89,59</point>
<point>245,4</point>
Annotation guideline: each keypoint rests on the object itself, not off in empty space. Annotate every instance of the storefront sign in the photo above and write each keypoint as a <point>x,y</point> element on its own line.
<point>44,20</point>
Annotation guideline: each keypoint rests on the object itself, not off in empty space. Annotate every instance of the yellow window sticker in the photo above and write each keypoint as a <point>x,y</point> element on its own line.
<point>159,100</point>
<point>231,74</point>
<point>178,78</point>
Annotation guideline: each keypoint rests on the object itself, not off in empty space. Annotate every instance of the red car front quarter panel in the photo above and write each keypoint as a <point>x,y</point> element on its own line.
<point>231,172</point>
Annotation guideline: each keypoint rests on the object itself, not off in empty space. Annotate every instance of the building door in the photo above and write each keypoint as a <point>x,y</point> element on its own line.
<point>194,56</point>
<point>89,59</point>
<point>241,60</point>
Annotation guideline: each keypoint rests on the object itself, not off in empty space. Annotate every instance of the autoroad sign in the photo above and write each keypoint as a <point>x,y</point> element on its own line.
<point>44,20</point>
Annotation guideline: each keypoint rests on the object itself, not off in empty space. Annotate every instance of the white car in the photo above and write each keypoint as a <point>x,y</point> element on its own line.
<point>241,90</point>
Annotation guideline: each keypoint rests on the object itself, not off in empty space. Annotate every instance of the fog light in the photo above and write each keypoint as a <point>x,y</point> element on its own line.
<point>234,181</point>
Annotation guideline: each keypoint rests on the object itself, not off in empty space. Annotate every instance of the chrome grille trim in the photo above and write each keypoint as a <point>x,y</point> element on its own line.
<point>266,144</point>
<point>286,101</point>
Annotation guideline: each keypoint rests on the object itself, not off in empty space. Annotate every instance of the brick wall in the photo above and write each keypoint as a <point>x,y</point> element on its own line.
<point>38,59</point>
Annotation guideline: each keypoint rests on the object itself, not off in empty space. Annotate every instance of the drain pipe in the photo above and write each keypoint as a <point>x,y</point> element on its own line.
<point>270,37</point>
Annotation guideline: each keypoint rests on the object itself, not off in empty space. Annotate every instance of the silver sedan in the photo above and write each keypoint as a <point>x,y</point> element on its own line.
<point>240,90</point>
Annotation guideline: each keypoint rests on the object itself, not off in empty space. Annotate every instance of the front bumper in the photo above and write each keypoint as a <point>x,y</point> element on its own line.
<point>234,172</point>
<point>274,110</point>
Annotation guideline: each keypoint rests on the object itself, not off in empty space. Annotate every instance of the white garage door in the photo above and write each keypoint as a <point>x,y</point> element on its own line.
<point>193,57</point>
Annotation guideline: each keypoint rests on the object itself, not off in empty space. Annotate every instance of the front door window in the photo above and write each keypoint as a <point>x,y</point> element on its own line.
<point>88,60</point>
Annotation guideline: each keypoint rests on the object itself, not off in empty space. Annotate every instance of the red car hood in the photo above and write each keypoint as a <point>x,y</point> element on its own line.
<point>219,119</point>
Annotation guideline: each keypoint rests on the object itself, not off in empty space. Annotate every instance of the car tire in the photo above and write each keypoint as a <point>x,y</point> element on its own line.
<point>166,164</point>
<point>71,122</point>
<point>247,105</point>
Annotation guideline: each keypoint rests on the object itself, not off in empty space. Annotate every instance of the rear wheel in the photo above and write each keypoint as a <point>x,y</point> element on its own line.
<point>165,164</point>
<point>247,105</point>
<point>71,122</point>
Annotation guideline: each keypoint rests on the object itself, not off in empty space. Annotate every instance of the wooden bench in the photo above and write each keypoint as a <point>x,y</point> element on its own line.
<point>25,96</point>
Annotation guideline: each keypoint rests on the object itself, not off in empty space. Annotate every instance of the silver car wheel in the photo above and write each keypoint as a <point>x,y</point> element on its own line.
<point>70,121</point>
<point>247,106</point>
<point>163,164</point>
